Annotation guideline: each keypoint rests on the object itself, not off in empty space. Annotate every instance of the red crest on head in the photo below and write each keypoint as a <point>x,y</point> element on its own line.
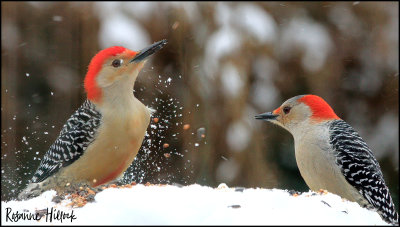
<point>92,90</point>
<point>320,109</point>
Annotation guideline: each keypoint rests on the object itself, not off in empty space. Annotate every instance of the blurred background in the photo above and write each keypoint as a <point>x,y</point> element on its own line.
<point>224,63</point>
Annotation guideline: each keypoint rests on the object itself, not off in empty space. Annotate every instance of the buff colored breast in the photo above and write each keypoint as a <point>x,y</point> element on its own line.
<point>117,143</point>
<point>319,169</point>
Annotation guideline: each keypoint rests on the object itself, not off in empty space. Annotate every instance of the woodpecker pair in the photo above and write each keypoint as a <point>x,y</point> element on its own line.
<point>100,140</point>
<point>331,155</point>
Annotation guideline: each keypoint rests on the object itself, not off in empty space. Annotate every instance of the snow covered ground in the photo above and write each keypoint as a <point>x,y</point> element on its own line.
<point>197,205</point>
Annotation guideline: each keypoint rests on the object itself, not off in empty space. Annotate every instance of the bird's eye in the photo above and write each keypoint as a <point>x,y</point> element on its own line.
<point>116,63</point>
<point>286,109</point>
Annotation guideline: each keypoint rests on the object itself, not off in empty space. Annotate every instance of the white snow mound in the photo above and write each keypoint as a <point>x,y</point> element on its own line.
<point>195,205</point>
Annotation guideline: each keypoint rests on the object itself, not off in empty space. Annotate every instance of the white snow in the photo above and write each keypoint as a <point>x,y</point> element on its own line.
<point>256,22</point>
<point>141,10</point>
<point>199,205</point>
<point>238,135</point>
<point>344,18</point>
<point>191,9</point>
<point>264,92</point>
<point>384,139</point>
<point>223,42</point>
<point>231,81</point>
<point>223,14</point>
<point>57,18</point>
<point>118,29</point>
<point>309,36</point>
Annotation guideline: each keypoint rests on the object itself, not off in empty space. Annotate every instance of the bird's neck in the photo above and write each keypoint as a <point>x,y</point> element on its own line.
<point>118,97</point>
<point>308,131</point>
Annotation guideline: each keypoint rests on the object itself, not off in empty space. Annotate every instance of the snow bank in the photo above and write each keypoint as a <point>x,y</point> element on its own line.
<point>197,205</point>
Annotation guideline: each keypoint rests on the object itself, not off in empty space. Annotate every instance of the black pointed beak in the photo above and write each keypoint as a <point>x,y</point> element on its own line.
<point>143,54</point>
<point>268,116</point>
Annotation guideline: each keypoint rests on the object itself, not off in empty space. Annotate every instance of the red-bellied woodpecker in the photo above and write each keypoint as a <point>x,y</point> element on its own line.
<point>100,140</point>
<point>331,155</point>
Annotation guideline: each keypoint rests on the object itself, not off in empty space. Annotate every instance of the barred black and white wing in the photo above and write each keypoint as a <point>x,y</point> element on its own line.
<point>75,136</point>
<point>361,169</point>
